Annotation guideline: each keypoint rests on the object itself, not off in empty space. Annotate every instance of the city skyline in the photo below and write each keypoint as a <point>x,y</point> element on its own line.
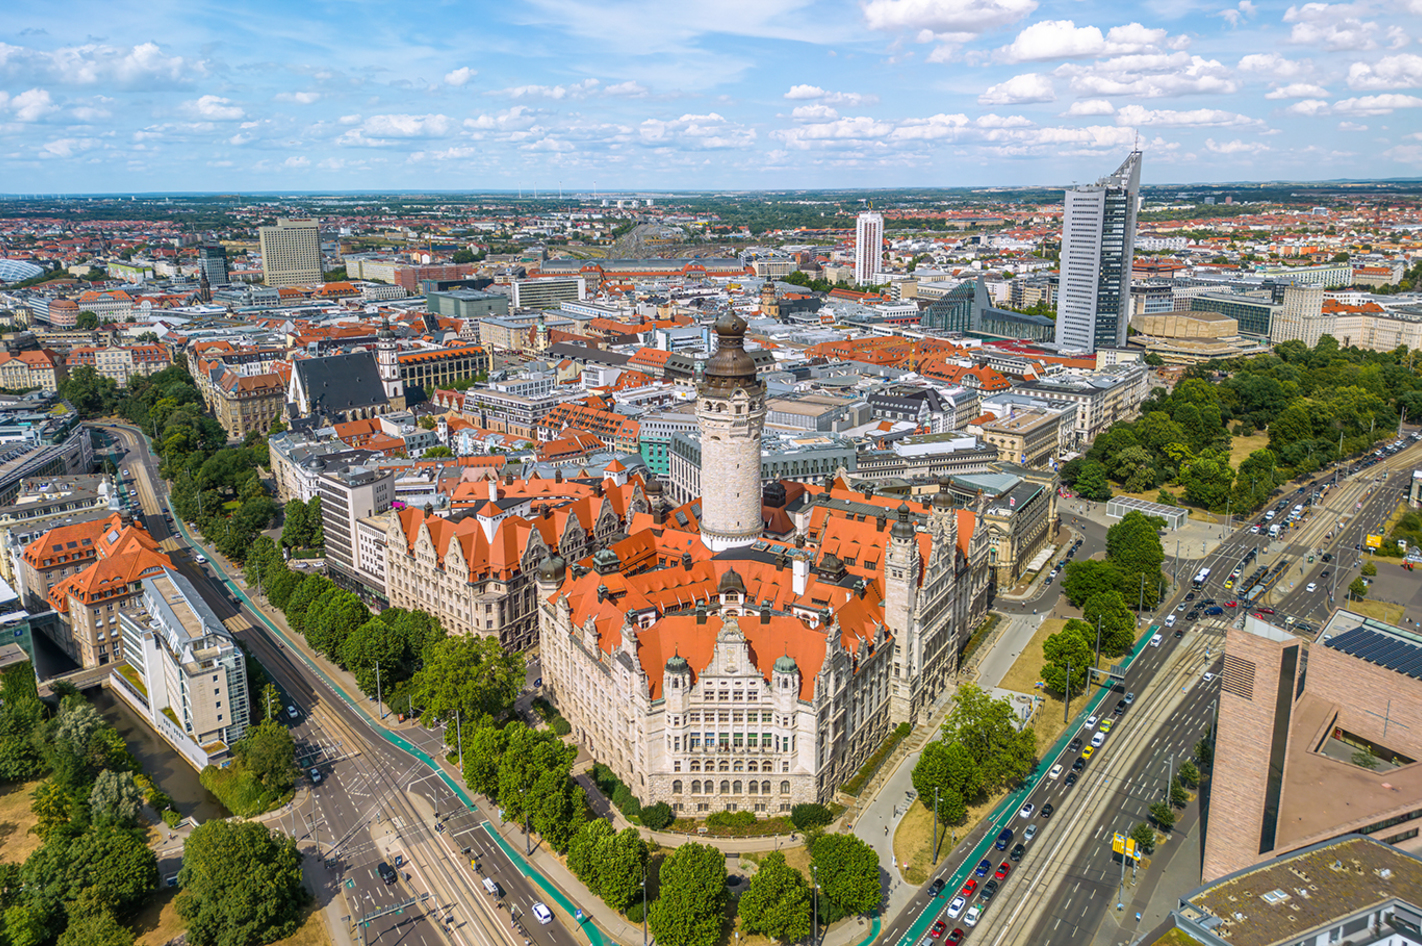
<point>782,93</point>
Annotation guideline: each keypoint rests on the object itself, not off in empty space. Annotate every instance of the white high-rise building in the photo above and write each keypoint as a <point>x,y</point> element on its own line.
<point>868,247</point>
<point>1098,251</point>
<point>291,253</point>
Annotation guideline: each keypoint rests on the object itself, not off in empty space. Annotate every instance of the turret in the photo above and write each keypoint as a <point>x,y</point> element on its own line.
<point>730,409</point>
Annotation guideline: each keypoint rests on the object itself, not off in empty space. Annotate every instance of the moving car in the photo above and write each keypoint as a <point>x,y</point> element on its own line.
<point>1004,838</point>
<point>1086,753</point>
<point>201,559</point>
<point>984,866</point>
<point>1027,810</point>
<point>386,872</point>
<point>315,776</point>
<point>1130,697</point>
<point>544,915</point>
<point>291,712</point>
<point>1074,745</point>
<point>1079,764</point>
<point>1231,604</point>
<point>1030,833</point>
<point>1055,771</point>
<point>1096,741</point>
<point>1212,612</point>
<point>1070,780</point>
<point>1003,870</point>
<point>989,891</point>
<point>1047,811</point>
<point>955,909</point>
<point>971,919</point>
<point>1091,722</point>
<point>1017,852</point>
<point>1312,586</point>
<point>935,888</point>
<point>1120,708</point>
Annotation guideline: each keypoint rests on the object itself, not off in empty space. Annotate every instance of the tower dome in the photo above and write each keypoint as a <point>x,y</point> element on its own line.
<point>903,528</point>
<point>731,365</point>
<point>731,583</point>
<point>785,664</point>
<point>552,568</point>
<point>677,664</point>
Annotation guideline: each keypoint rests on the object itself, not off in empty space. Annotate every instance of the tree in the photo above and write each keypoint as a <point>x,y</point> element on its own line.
<point>807,815</point>
<point>621,866</point>
<point>1205,752</point>
<point>268,753</point>
<point>1067,647</point>
<point>1144,836</point>
<point>108,866</point>
<point>298,605</point>
<point>434,453</point>
<point>585,849</point>
<point>1135,469</point>
<point>1163,815</point>
<point>1086,579</point>
<point>1189,775</point>
<point>241,885</point>
<point>1370,569</point>
<point>1154,360</point>
<point>777,903</point>
<point>473,675</point>
<point>115,798</point>
<point>1091,482</point>
<point>693,897</point>
<point>949,768</point>
<point>986,727</point>
<point>1133,544</point>
<point>1117,623</point>
<point>86,321</point>
<point>847,870</point>
<point>1179,797</point>
<point>658,816</point>
<point>374,643</point>
<point>1358,588</point>
<point>51,804</point>
<point>295,532</point>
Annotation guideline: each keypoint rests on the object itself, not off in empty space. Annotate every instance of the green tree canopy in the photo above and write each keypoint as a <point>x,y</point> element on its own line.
<point>777,903</point>
<point>986,728</point>
<point>1067,647</point>
<point>470,674</point>
<point>950,769</point>
<point>241,884</point>
<point>847,870</point>
<point>689,909</point>
<point>1086,579</point>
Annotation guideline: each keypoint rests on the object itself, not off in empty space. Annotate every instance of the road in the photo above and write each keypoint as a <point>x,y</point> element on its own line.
<point>374,802</point>
<point>1068,882</point>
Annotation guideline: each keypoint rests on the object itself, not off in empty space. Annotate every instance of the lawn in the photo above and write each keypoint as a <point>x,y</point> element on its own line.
<point>914,836</point>
<point>16,820</point>
<point>1242,447</point>
<point>1381,610</point>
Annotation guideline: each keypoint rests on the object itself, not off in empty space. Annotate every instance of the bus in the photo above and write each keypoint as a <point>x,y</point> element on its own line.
<point>1200,578</point>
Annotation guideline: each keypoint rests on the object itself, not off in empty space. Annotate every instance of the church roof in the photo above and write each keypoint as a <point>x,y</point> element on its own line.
<point>341,382</point>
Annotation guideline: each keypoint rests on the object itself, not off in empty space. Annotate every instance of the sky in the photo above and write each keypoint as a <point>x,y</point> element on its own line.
<point>626,95</point>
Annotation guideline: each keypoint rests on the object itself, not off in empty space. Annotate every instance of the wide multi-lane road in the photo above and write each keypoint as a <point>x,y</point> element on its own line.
<point>373,802</point>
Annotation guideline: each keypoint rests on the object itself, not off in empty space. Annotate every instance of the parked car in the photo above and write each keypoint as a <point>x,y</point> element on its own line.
<point>955,909</point>
<point>1004,838</point>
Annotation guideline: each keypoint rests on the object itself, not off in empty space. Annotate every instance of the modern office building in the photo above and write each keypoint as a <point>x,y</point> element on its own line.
<point>547,293</point>
<point>291,253</point>
<point>1098,240</point>
<point>348,496</point>
<point>868,247</point>
<point>183,671</point>
<point>467,303</point>
<point>212,263</point>
<point>1302,317</point>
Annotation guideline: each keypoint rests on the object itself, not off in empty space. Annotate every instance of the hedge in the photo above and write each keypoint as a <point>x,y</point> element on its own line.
<point>855,785</point>
<point>657,816</point>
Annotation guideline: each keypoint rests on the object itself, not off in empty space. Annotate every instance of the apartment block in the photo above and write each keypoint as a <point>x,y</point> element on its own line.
<point>291,253</point>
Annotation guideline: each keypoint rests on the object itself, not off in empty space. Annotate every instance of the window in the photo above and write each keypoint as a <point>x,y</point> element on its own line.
<point>753,786</point>
<point>785,788</point>
<point>725,787</point>
<point>676,787</point>
<point>765,787</point>
<point>736,787</point>
<point>696,787</point>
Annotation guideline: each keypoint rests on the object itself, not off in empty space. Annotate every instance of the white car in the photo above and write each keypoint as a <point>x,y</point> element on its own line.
<point>1030,832</point>
<point>956,907</point>
<point>1091,722</point>
<point>545,915</point>
<point>1056,771</point>
<point>972,917</point>
<point>1312,586</point>
<point>201,559</point>
<point>1208,676</point>
<point>1098,739</point>
<point>1027,810</point>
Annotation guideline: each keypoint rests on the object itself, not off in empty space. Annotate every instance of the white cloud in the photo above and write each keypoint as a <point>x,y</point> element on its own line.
<point>28,106</point>
<point>1029,87</point>
<point>1377,104</point>
<point>214,108</point>
<point>696,132</point>
<point>1235,147</point>
<point>517,119</point>
<point>577,90</point>
<point>1244,11</point>
<point>1091,107</point>
<point>459,77</point>
<point>628,89</point>
<point>296,162</point>
<point>1351,126</point>
<point>90,113</point>
<point>814,113</point>
<point>800,93</point>
<point>942,125</point>
<point>1403,71</point>
<point>1063,39</point>
<point>1298,90</point>
<point>945,16</point>
<point>385,129</point>
<point>1198,118</point>
<point>142,66</point>
<point>1405,154</point>
<point>1332,26</point>
<point>301,98</point>
<point>1274,65</point>
<point>1308,107</point>
<point>68,147</point>
<point>993,120</point>
<point>1150,75</point>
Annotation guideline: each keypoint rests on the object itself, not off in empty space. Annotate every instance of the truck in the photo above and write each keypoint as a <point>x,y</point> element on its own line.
<point>1274,531</point>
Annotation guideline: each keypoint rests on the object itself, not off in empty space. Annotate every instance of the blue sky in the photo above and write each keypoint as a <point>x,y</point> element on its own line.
<point>629,94</point>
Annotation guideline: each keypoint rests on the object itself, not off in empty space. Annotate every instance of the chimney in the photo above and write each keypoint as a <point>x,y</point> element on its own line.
<point>764,615</point>
<point>800,576</point>
<point>659,514</point>
<point>685,559</point>
<point>701,614</point>
<point>880,521</point>
<point>494,490</point>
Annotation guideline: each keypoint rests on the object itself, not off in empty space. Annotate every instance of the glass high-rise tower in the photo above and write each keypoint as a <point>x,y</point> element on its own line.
<point>1098,249</point>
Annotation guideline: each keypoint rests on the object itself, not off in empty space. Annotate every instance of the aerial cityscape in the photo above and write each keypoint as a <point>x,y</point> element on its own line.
<point>903,473</point>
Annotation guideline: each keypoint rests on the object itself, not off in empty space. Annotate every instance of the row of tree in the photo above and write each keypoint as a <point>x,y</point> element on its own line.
<point>981,751</point>
<point>1130,575</point>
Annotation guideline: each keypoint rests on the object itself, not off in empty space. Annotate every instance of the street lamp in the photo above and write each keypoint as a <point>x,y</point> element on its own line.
<point>815,879</point>
<point>644,905</point>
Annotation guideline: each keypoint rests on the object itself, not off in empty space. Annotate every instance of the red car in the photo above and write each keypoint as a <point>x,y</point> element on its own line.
<point>955,937</point>
<point>1264,610</point>
<point>1003,870</point>
<point>969,888</point>
<point>1231,604</point>
<point>938,929</point>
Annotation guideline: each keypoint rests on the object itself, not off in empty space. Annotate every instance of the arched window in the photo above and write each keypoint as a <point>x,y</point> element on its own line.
<point>751,766</point>
<point>696,787</point>
<point>765,787</point>
<point>739,765</point>
<point>725,787</point>
<point>753,786</point>
<point>785,788</point>
<point>736,787</point>
<point>676,787</point>
<point>696,765</point>
<point>725,766</point>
